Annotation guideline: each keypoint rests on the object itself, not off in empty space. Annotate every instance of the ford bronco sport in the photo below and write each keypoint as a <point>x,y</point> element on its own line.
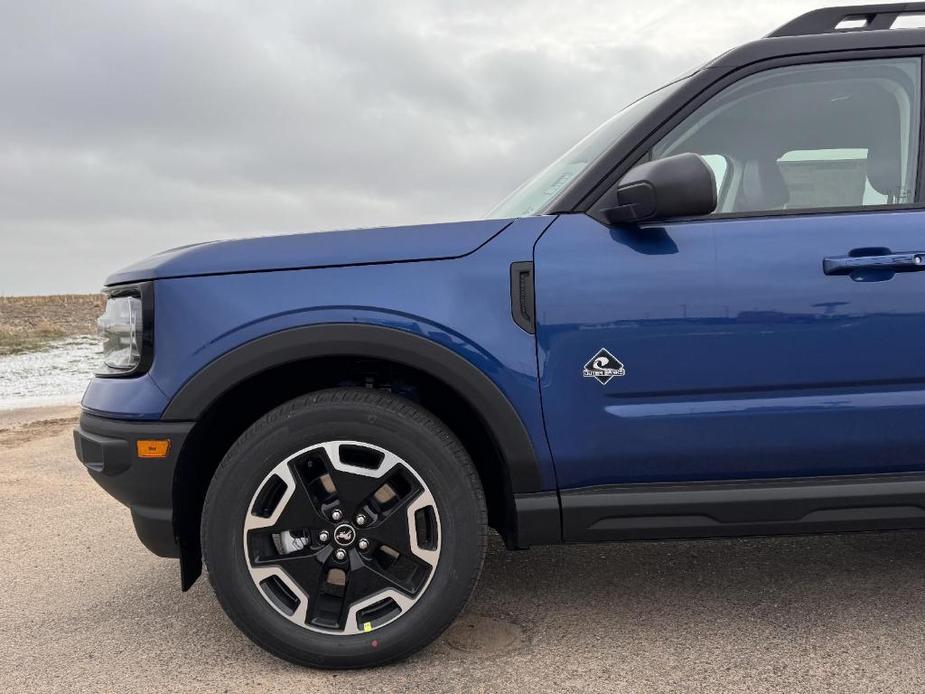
<point>706,319</point>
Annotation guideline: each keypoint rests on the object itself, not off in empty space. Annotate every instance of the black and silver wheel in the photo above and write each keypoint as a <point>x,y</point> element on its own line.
<point>344,529</point>
<point>342,537</point>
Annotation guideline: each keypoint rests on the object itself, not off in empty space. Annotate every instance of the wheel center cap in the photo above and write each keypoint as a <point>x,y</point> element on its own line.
<point>344,535</point>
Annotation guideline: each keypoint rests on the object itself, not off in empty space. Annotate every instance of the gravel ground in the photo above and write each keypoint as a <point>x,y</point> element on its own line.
<point>85,608</point>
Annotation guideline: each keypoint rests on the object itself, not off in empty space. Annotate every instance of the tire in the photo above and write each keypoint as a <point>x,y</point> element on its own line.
<point>425,529</point>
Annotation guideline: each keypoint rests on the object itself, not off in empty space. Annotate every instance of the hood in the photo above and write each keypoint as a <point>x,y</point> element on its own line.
<point>321,249</point>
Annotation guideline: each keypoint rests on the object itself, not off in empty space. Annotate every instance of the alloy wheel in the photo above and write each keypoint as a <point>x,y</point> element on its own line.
<point>342,537</point>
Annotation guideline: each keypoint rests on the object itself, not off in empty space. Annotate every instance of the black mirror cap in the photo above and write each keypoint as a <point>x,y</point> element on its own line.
<point>682,185</point>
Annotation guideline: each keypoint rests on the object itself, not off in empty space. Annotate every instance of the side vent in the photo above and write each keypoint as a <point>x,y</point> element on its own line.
<point>522,296</point>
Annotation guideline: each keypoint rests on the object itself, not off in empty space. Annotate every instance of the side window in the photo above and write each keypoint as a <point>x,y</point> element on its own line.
<point>817,136</point>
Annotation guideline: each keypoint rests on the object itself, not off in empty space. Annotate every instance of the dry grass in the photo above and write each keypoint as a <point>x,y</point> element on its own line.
<point>29,323</point>
<point>15,341</point>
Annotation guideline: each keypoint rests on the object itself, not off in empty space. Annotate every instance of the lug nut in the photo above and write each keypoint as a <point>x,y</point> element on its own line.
<point>323,536</point>
<point>336,514</point>
<point>363,544</point>
<point>360,519</point>
<point>340,554</point>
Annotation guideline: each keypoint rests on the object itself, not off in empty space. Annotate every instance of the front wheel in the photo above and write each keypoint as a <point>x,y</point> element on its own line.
<point>345,528</point>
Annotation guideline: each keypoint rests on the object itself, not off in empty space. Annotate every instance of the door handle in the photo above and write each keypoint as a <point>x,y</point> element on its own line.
<point>898,262</point>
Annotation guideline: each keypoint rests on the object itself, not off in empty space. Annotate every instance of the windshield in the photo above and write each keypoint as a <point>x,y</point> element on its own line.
<point>539,191</point>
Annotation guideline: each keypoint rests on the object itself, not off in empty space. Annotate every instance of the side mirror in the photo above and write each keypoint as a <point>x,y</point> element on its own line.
<point>679,186</point>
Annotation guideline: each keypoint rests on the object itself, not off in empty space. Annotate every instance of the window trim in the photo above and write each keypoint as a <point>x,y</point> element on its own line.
<point>643,145</point>
<point>812,211</point>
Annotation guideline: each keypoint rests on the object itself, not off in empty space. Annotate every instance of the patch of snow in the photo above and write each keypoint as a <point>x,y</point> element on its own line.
<point>56,375</point>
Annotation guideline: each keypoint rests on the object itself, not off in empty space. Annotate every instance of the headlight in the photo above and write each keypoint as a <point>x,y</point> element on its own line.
<point>122,331</point>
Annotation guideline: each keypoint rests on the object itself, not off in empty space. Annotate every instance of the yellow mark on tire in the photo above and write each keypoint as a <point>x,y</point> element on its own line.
<point>367,626</point>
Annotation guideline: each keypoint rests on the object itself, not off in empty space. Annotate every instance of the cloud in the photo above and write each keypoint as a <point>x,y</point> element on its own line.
<point>127,128</point>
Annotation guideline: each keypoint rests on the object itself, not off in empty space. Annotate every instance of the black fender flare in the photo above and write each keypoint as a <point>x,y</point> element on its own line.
<point>369,341</point>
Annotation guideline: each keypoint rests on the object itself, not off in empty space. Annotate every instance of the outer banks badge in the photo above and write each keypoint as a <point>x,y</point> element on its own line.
<point>603,366</point>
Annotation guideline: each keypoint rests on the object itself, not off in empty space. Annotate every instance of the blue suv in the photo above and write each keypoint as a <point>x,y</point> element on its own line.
<point>703,320</point>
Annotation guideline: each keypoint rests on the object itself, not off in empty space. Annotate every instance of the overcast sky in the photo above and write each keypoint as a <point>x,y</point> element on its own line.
<point>130,127</point>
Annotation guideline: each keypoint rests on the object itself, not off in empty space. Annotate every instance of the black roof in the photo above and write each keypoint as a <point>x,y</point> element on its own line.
<point>818,32</point>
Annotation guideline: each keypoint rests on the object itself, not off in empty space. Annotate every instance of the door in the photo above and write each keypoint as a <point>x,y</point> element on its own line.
<point>719,348</point>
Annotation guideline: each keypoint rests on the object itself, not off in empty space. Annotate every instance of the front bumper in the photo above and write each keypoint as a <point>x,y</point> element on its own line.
<point>107,448</point>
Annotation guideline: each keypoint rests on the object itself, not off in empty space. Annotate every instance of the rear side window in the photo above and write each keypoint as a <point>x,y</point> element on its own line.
<point>817,136</point>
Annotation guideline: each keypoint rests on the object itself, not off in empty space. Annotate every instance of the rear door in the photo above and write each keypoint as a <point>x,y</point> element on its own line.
<point>719,348</point>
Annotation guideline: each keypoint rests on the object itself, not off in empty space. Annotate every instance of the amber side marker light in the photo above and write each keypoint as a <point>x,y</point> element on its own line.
<point>153,448</point>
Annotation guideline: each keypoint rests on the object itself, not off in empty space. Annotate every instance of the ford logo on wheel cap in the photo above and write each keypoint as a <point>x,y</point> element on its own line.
<point>344,535</point>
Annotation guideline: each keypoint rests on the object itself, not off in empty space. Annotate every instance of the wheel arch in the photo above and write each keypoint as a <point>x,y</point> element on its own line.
<point>321,352</point>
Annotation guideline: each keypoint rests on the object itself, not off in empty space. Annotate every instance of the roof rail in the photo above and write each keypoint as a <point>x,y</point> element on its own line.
<point>848,18</point>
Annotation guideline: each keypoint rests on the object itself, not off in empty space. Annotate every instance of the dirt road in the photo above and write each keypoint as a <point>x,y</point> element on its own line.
<point>84,607</point>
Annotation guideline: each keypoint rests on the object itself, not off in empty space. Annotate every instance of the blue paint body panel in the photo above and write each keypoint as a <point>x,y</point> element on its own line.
<point>354,247</point>
<point>742,359</point>
<point>125,398</point>
<point>463,304</point>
